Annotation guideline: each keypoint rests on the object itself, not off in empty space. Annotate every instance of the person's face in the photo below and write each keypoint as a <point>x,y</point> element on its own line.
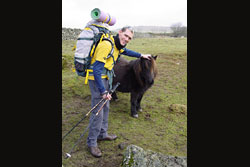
<point>125,36</point>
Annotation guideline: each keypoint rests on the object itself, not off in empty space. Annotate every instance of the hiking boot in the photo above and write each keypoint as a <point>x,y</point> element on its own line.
<point>95,151</point>
<point>135,116</point>
<point>108,138</point>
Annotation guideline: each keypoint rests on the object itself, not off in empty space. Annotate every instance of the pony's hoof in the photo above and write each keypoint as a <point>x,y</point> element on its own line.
<point>115,100</point>
<point>135,116</point>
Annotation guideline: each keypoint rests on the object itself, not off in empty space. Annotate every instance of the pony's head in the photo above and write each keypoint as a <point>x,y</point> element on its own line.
<point>146,70</point>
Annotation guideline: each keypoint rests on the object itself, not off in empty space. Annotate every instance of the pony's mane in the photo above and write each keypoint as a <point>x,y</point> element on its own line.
<point>153,67</point>
<point>137,69</point>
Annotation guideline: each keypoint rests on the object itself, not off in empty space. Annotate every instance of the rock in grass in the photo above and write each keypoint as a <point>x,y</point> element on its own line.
<point>135,156</point>
<point>178,108</point>
<point>122,145</point>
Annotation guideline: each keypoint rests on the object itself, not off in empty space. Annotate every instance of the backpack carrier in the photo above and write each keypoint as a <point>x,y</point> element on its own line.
<point>87,42</point>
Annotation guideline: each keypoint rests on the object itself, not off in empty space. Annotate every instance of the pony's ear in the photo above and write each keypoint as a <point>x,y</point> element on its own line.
<point>155,57</point>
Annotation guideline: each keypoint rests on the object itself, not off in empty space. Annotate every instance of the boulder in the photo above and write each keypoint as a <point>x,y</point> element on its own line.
<point>135,156</point>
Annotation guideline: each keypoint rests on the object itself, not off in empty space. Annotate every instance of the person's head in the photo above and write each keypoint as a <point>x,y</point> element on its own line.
<point>125,35</point>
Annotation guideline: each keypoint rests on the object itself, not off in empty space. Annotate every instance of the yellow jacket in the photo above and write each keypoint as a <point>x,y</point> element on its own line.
<point>101,53</point>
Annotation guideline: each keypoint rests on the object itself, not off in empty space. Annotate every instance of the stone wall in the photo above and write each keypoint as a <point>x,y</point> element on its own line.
<point>70,34</point>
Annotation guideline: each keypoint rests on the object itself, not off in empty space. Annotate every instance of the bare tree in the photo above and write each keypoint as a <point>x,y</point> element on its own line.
<point>178,30</point>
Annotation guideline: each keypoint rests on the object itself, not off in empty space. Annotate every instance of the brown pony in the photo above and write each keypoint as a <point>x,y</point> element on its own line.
<point>135,76</point>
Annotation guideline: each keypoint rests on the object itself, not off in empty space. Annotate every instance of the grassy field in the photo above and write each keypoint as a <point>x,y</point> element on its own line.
<point>159,127</point>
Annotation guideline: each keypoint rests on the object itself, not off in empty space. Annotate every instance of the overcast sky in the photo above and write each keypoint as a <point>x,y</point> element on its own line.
<point>76,13</point>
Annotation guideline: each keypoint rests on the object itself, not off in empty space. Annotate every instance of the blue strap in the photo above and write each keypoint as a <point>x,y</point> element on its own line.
<point>81,58</point>
<point>85,38</point>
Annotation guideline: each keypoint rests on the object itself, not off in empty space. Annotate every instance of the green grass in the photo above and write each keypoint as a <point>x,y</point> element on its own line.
<point>157,128</point>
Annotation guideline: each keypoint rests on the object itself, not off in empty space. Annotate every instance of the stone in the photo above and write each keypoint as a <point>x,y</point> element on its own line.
<point>178,108</point>
<point>135,156</point>
<point>122,145</point>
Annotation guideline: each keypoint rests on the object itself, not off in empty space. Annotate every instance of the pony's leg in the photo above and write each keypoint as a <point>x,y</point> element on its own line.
<point>114,96</point>
<point>138,106</point>
<point>133,100</point>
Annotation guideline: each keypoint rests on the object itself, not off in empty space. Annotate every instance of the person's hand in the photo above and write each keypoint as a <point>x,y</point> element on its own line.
<point>107,96</point>
<point>146,56</point>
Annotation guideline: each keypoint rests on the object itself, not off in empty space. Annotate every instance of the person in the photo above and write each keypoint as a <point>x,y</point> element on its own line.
<point>99,85</point>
